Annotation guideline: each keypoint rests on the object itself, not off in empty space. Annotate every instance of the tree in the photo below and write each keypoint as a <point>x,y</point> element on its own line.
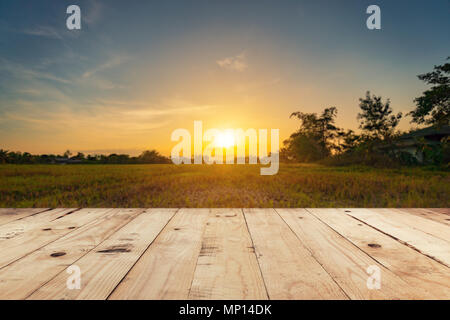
<point>26,157</point>
<point>316,137</point>
<point>320,128</point>
<point>433,107</point>
<point>348,140</point>
<point>301,148</point>
<point>3,156</point>
<point>152,156</point>
<point>80,156</point>
<point>376,118</point>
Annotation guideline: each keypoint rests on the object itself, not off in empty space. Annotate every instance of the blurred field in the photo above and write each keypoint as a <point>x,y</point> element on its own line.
<point>220,186</point>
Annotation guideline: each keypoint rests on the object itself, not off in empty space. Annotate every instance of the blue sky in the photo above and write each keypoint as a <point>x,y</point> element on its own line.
<point>137,70</point>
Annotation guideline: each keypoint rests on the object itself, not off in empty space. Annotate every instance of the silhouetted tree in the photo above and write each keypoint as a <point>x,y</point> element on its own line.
<point>79,156</point>
<point>376,118</point>
<point>3,156</point>
<point>348,140</point>
<point>316,137</point>
<point>300,147</point>
<point>152,156</point>
<point>433,107</point>
<point>24,158</point>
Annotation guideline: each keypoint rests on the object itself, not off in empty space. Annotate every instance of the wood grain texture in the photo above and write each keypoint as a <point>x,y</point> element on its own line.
<point>428,214</point>
<point>288,268</point>
<point>34,232</point>
<point>28,274</point>
<point>440,210</point>
<point>166,269</point>
<point>17,228</point>
<point>416,222</point>
<point>8,215</point>
<point>346,263</point>
<point>430,279</point>
<point>105,266</point>
<point>390,224</point>
<point>227,267</point>
<point>225,253</point>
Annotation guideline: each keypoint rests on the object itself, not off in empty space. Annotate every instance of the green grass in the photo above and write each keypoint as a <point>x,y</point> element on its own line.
<point>220,186</point>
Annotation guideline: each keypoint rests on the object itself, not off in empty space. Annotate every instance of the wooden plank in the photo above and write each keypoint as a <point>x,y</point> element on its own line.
<point>441,210</point>
<point>26,275</point>
<point>428,214</point>
<point>105,266</point>
<point>32,235</point>
<point>346,263</point>
<point>8,215</point>
<point>13,231</point>
<point>433,228</point>
<point>227,267</point>
<point>288,268</point>
<point>17,228</point>
<point>427,244</point>
<point>431,279</point>
<point>166,269</point>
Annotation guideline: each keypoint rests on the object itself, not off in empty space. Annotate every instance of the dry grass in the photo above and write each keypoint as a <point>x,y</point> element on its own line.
<point>220,186</point>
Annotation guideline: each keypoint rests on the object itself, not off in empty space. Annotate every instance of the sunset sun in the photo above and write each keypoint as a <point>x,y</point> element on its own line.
<point>225,140</point>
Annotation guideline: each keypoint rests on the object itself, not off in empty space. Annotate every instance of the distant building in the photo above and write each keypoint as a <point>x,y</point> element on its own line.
<point>67,160</point>
<point>414,142</point>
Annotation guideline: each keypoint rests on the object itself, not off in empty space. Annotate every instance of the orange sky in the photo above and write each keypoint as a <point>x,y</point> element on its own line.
<point>130,77</point>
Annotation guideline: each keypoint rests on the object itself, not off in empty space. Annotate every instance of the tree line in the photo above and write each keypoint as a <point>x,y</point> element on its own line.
<point>146,157</point>
<point>319,139</point>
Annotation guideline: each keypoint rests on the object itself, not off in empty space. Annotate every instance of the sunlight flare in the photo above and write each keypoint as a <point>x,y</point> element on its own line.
<point>225,140</point>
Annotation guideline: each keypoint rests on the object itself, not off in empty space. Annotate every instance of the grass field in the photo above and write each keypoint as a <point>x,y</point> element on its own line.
<point>220,186</point>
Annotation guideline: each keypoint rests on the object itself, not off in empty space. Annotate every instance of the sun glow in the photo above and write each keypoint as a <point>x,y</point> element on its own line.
<point>225,140</point>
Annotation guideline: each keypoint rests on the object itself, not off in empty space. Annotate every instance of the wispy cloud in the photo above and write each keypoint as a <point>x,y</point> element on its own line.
<point>63,119</point>
<point>113,62</point>
<point>60,33</point>
<point>44,31</point>
<point>23,72</point>
<point>236,63</point>
<point>115,116</point>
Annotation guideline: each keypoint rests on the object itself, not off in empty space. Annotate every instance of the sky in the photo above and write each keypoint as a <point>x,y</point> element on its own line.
<point>138,70</point>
